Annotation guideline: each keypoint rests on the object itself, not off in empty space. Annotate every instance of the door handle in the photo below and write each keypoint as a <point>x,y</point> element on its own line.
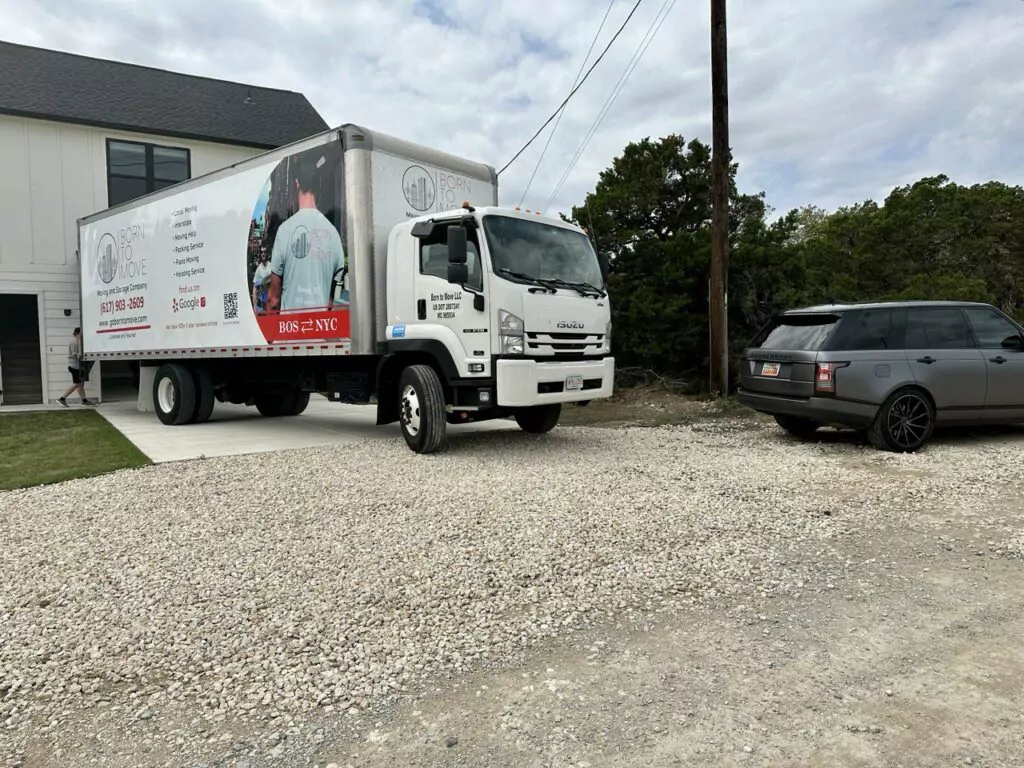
<point>999,359</point>
<point>421,309</point>
<point>927,359</point>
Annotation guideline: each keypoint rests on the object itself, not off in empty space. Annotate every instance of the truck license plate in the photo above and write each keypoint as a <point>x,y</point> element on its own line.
<point>573,383</point>
<point>770,369</point>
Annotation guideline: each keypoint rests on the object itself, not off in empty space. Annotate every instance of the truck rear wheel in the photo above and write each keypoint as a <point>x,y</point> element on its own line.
<point>274,404</point>
<point>301,402</point>
<point>539,418</point>
<point>205,396</point>
<point>174,394</point>
<point>421,409</point>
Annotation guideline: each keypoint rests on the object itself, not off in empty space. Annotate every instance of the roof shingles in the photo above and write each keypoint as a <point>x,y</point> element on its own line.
<point>65,87</point>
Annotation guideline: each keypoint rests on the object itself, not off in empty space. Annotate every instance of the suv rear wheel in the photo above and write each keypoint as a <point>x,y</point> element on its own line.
<point>797,427</point>
<point>904,423</point>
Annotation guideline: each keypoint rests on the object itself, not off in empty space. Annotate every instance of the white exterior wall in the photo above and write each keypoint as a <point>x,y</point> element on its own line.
<point>51,174</point>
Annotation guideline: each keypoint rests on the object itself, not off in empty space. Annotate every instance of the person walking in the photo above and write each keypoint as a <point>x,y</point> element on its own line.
<point>76,369</point>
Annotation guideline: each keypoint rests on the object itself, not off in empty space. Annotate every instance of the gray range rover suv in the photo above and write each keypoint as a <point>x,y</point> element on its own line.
<point>894,370</point>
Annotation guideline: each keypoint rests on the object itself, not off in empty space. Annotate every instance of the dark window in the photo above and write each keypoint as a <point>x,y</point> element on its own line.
<point>542,250</point>
<point>991,329</point>
<point>796,332</point>
<point>866,329</point>
<point>434,258</point>
<point>135,169</point>
<point>937,329</point>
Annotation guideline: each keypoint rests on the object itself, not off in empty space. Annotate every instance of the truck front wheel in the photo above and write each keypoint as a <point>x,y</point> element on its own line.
<point>174,394</point>
<point>539,418</point>
<point>421,409</point>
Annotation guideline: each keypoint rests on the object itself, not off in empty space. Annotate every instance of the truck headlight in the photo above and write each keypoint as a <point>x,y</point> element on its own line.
<point>511,345</point>
<point>510,330</point>
<point>608,336</point>
<point>510,324</point>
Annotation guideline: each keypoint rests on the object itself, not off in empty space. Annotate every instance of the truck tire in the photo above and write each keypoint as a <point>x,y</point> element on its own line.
<point>274,404</point>
<point>205,396</point>
<point>174,394</point>
<point>421,409</point>
<point>301,402</point>
<point>539,419</point>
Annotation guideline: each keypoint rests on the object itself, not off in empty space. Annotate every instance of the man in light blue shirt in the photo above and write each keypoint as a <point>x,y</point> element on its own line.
<point>308,251</point>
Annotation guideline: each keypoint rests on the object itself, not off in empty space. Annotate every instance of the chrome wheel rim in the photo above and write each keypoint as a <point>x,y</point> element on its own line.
<point>410,407</point>
<point>165,395</point>
<point>908,421</point>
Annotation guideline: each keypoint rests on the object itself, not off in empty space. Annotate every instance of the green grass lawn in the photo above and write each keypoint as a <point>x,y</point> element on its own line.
<point>51,446</point>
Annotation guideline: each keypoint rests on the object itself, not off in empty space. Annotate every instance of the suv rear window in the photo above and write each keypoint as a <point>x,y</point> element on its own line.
<point>796,332</point>
<point>866,330</point>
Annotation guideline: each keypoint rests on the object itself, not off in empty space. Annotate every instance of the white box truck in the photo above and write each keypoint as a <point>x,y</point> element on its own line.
<point>352,264</point>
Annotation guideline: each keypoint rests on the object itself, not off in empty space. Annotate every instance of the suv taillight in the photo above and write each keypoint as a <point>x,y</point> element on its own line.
<point>825,377</point>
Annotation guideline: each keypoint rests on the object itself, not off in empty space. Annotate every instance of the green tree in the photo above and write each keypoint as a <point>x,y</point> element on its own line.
<point>651,212</point>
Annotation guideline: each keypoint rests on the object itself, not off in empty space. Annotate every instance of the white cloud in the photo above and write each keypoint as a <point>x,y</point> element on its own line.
<point>831,102</point>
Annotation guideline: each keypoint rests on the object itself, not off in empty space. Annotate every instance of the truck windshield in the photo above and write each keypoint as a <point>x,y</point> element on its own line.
<point>532,251</point>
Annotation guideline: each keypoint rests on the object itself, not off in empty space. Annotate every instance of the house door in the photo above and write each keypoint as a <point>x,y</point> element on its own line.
<point>21,373</point>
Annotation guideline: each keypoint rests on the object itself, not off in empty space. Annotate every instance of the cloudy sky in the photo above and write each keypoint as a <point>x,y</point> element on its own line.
<point>832,101</point>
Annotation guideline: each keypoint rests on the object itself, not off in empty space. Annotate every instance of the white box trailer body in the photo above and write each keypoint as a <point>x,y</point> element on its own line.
<point>355,264</point>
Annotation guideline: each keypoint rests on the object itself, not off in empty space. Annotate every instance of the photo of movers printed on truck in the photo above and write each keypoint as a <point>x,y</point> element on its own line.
<point>352,264</point>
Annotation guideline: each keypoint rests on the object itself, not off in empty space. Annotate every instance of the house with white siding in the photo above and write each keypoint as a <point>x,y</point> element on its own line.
<point>77,135</point>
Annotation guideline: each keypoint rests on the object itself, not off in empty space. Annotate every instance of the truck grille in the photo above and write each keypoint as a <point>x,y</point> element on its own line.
<point>564,344</point>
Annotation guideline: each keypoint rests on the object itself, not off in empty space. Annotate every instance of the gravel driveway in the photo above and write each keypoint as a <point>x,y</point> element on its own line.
<point>218,607</point>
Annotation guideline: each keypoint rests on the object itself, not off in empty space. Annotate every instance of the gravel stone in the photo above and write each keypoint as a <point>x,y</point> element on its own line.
<point>261,588</point>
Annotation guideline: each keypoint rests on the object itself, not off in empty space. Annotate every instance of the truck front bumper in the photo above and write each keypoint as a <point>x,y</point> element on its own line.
<point>523,383</point>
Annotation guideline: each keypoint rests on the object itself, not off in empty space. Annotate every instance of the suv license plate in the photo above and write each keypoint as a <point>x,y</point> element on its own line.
<point>770,369</point>
<point>573,383</point>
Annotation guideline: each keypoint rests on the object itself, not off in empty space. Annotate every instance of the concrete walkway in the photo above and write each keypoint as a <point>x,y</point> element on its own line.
<point>236,429</point>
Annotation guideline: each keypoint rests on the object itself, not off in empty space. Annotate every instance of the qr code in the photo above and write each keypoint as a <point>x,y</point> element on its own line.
<point>231,306</point>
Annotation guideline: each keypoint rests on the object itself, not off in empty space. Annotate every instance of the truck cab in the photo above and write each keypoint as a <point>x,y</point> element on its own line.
<point>508,308</point>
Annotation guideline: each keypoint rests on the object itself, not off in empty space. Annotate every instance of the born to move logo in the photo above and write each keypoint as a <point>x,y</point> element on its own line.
<point>116,257</point>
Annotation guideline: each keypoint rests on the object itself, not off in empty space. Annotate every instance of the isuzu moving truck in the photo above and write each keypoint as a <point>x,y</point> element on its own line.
<point>352,264</point>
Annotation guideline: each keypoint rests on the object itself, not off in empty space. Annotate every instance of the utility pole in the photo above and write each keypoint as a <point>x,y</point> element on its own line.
<point>717,321</point>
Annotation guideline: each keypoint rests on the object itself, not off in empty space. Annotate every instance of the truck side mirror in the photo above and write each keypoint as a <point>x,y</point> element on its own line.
<point>605,264</point>
<point>457,245</point>
<point>458,274</point>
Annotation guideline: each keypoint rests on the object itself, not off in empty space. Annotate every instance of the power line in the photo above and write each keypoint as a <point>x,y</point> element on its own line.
<point>561,112</point>
<point>631,66</point>
<point>573,91</point>
<point>644,44</point>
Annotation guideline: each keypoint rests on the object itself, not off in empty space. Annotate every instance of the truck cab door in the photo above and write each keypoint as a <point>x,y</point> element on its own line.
<point>458,312</point>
